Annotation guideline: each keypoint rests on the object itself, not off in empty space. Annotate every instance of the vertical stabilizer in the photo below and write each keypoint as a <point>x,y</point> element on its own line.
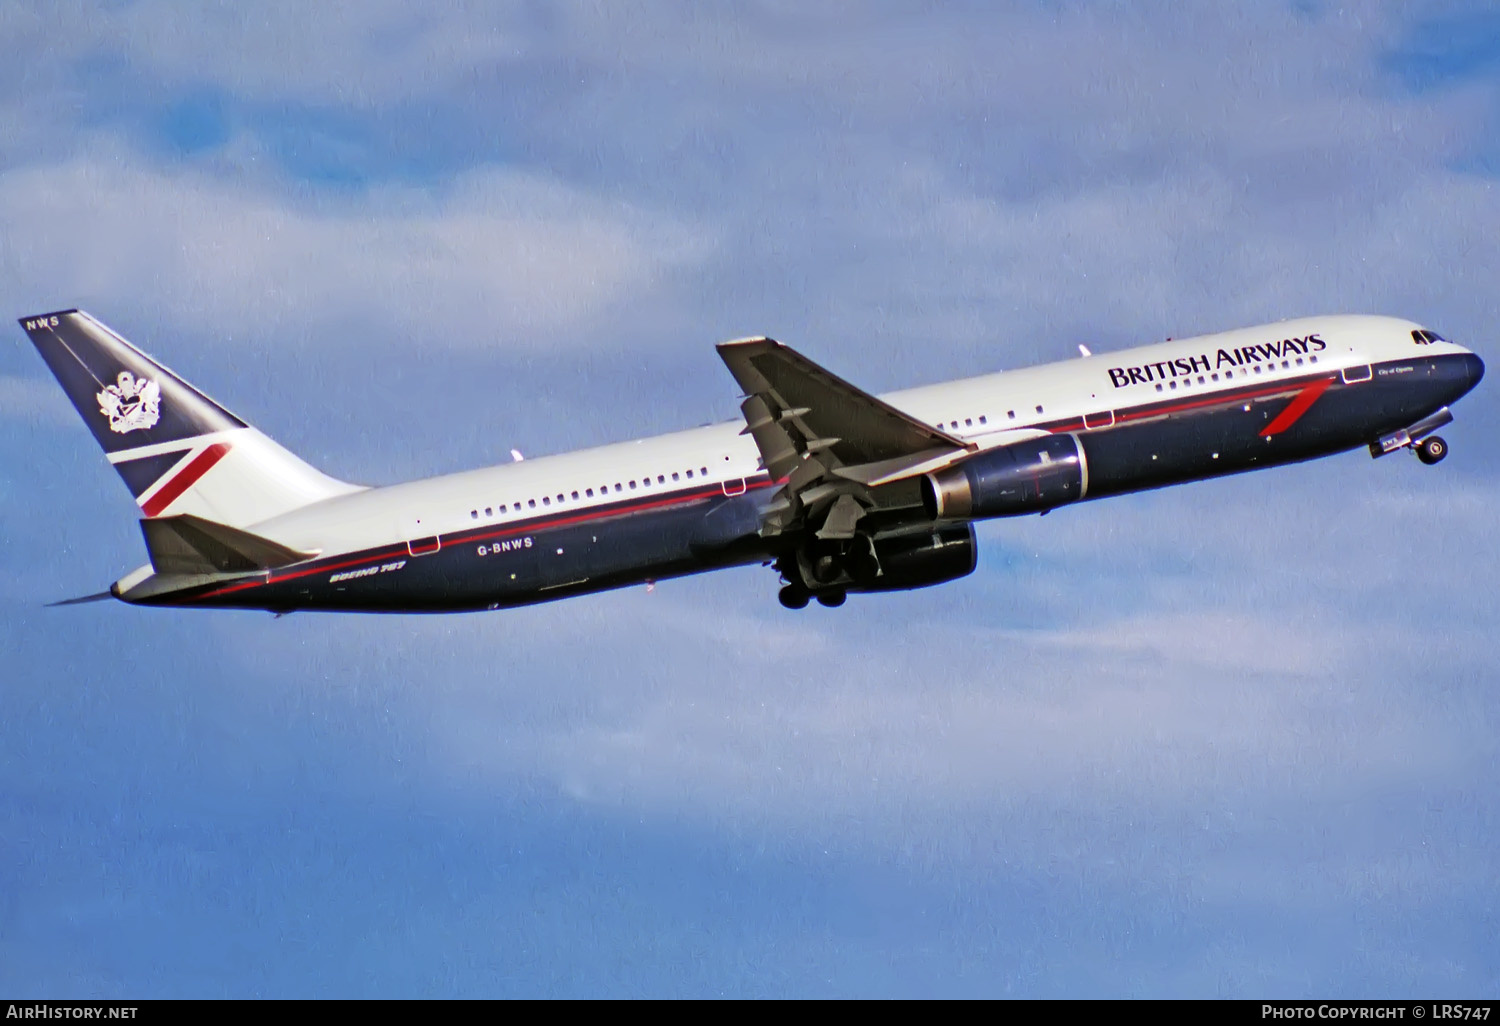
<point>178,451</point>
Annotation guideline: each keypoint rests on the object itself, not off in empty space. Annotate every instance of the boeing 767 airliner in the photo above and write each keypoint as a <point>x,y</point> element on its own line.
<point>841,491</point>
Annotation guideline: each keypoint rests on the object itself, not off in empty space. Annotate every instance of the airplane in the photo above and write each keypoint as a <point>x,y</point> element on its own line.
<point>839,490</point>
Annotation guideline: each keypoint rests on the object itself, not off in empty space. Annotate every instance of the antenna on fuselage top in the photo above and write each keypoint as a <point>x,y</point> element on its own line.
<point>1083,350</point>
<point>515,454</point>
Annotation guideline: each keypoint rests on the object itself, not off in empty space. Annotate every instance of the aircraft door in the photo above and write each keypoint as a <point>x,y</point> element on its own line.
<point>422,538</point>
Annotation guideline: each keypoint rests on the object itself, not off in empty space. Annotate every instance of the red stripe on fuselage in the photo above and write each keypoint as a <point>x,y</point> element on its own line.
<point>1296,408</point>
<point>1162,409</point>
<point>525,527</point>
<point>185,478</point>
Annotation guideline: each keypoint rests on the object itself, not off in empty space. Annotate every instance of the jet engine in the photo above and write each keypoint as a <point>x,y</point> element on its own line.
<point>923,558</point>
<point>1027,477</point>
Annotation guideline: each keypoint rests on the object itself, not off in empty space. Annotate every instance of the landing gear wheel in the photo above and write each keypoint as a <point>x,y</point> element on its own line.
<point>833,597</point>
<point>825,568</point>
<point>1431,450</point>
<point>794,596</point>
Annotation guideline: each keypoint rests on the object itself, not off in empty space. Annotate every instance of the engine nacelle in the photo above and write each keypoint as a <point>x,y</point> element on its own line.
<point>1027,477</point>
<point>923,558</point>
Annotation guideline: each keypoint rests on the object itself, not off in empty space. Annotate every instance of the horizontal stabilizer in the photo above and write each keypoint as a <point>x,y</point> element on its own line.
<point>191,545</point>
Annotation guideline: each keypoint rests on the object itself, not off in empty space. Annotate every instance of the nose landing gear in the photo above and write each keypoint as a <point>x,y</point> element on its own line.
<point>1431,450</point>
<point>1419,438</point>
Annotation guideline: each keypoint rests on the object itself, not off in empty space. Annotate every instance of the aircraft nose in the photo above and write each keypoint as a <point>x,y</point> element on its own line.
<point>1473,368</point>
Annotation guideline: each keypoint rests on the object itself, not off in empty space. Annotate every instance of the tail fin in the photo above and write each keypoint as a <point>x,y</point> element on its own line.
<point>178,450</point>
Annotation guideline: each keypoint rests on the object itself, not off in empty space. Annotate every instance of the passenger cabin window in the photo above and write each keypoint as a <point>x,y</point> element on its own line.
<point>689,473</point>
<point>983,420</point>
<point>1011,414</point>
<point>1039,409</point>
<point>674,475</point>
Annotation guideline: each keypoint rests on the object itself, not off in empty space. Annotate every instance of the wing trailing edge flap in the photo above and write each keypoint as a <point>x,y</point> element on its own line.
<point>189,545</point>
<point>827,439</point>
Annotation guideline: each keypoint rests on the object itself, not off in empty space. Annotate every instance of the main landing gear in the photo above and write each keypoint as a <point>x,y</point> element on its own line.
<point>795,596</point>
<point>825,570</point>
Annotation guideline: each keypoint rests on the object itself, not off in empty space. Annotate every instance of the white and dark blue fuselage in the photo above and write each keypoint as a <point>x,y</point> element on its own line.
<point>868,519</point>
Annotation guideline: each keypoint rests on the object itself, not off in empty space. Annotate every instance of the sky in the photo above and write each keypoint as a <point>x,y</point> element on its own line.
<point>1238,738</point>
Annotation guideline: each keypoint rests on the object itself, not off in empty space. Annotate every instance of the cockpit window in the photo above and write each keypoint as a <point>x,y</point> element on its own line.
<point>1423,337</point>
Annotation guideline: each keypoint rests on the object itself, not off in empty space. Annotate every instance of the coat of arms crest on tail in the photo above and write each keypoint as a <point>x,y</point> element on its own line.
<point>131,403</point>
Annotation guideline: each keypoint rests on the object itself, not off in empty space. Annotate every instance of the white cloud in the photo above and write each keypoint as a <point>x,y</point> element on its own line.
<point>347,53</point>
<point>995,188</point>
<point>1220,676</point>
<point>898,198</point>
<point>496,258</point>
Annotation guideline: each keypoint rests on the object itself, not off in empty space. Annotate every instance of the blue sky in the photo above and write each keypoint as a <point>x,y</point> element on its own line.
<point>1233,739</point>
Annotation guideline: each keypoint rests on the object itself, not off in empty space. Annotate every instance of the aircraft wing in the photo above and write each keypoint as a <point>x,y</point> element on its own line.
<point>833,443</point>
